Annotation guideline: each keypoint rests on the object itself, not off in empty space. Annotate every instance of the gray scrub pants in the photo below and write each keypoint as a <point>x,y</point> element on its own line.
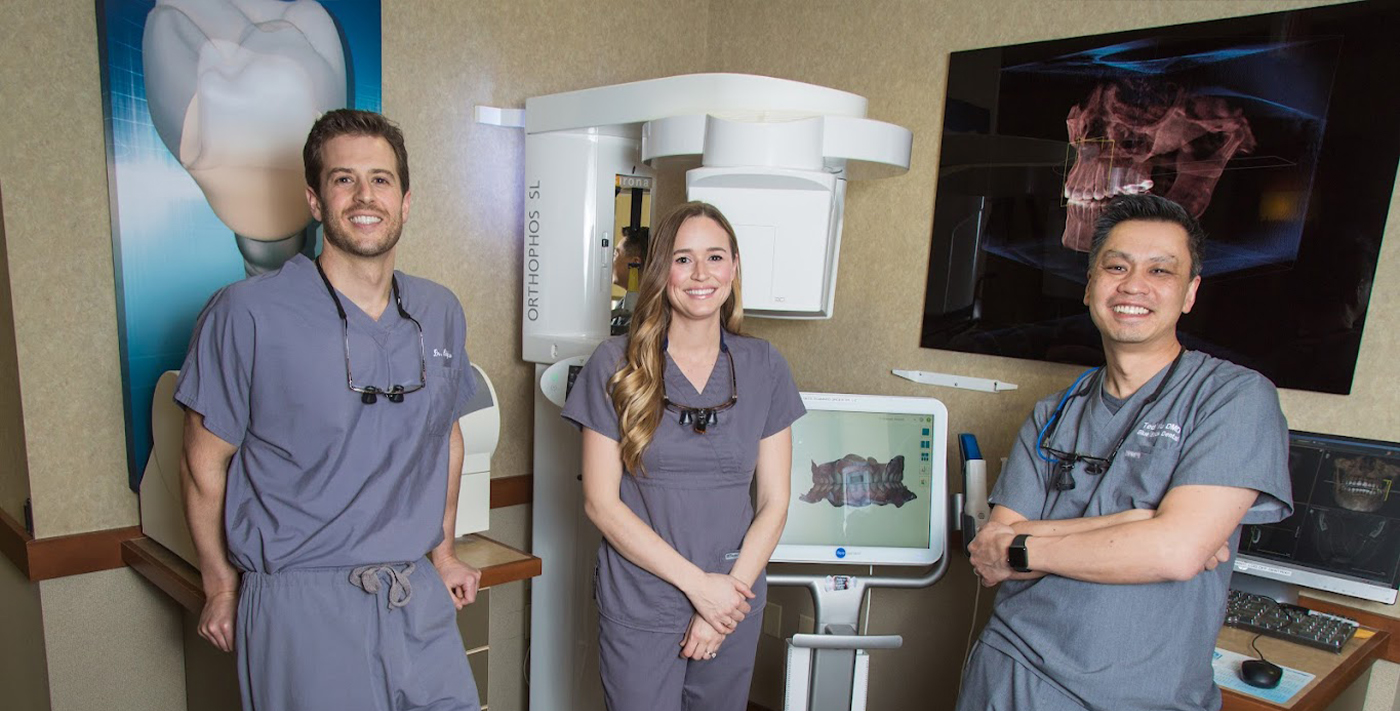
<point>996,682</point>
<point>644,670</point>
<point>311,640</point>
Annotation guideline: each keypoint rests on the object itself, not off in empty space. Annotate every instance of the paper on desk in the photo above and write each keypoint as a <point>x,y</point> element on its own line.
<point>1227,676</point>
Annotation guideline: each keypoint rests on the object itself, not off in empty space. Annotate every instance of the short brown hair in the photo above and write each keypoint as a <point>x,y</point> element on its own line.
<point>351,122</point>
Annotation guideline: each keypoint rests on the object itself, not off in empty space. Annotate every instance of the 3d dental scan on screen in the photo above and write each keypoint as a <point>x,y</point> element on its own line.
<point>1344,534</point>
<point>868,481</point>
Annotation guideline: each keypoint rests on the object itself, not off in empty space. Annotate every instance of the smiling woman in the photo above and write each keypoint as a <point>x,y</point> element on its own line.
<point>704,264</point>
<point>673,437</point>
<point>690,285</point>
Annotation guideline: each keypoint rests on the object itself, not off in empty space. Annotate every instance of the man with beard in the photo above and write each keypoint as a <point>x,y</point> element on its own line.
<point>1121,503</point>
<point>322,454</point>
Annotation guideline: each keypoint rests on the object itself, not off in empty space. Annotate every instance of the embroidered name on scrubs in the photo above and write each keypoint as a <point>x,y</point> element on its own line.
<point>1160,429</point>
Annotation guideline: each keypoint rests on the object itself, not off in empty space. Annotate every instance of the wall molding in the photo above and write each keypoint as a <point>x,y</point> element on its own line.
<point>61,556</point>
<point>512,490</point>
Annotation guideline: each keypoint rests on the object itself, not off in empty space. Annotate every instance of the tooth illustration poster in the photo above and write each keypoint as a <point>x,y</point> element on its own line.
<point>1266,128</point>
<point>207,104</point>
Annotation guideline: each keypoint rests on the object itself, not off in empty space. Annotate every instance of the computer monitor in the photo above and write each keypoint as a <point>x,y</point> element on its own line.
<point>1344,534</point>
<point>869,481</point>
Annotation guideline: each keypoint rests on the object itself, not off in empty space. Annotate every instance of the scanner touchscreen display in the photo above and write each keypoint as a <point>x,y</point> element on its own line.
<point>866,485</point>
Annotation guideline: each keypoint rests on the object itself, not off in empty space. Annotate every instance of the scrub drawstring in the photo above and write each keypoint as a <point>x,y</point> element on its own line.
<point>366,578</point>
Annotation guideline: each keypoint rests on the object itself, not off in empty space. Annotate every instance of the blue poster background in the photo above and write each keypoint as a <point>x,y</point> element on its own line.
<point>170,252</point>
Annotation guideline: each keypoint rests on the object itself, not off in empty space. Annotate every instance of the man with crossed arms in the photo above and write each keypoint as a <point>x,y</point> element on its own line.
<point>1121,504</point>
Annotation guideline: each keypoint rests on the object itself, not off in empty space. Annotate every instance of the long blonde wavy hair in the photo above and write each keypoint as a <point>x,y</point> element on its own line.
<point>637,387</point>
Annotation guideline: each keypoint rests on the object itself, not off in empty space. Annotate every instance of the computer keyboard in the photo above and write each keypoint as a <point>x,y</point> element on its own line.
<point>1257,613</point>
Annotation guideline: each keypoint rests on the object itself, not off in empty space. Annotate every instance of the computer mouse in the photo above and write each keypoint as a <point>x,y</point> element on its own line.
<point>1257,672</point>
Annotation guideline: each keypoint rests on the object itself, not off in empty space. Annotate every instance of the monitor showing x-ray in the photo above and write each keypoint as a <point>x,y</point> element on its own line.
<point>1344,534</point>
<point>869,481</point>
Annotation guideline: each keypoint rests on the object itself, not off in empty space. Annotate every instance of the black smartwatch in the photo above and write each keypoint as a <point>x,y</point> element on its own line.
<point>1016,554</point>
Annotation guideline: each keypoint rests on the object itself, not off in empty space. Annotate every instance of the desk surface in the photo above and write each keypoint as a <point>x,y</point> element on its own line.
<point>499,564</point>
<point>1333,672</point>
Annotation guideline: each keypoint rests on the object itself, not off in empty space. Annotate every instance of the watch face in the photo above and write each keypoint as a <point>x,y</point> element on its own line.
<point>1016,555</point>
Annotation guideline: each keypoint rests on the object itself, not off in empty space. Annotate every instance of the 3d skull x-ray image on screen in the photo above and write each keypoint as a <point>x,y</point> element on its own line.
<point>1353,522</point>
<point>1138,137</point>
<point>1268,128</point>
<point>1346,515</point>
<point>1362,483</point>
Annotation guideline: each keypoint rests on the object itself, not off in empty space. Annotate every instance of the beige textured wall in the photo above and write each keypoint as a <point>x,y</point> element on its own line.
<point>1383,687</point>
<point>54,171</point>
<point>24,670</point>
<point>101,641</point>
<point>14,465</point>
<point>113,642</point>
<point>895,53</point>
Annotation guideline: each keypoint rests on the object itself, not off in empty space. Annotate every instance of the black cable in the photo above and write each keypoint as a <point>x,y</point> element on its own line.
<point>1256,648</point>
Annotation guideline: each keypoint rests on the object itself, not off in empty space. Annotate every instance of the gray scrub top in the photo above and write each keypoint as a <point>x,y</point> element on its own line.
<point>319,478</point>
<point>695,492</point>
<point>1144,646</point>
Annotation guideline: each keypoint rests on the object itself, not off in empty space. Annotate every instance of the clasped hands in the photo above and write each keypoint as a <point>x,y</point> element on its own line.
<point>721,603</point>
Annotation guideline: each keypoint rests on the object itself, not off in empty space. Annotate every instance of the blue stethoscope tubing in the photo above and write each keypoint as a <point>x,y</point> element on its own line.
<point>1055,415</point>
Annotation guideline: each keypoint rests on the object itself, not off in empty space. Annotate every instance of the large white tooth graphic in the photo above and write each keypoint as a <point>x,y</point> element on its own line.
<point>233,87</point>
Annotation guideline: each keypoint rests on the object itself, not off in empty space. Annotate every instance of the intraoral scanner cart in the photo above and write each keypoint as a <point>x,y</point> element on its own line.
<point>869,487</point>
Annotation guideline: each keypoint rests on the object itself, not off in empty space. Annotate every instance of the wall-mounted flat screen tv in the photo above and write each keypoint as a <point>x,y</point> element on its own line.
<point>1278,131</point>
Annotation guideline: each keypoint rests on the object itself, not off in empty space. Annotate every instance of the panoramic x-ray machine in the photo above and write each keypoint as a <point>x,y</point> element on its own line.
<point>775,156</point>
